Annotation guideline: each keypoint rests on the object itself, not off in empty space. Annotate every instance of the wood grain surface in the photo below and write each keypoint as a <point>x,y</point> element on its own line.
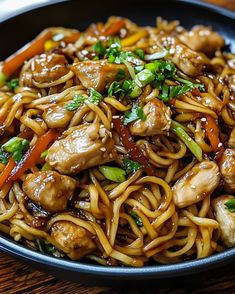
<point>17,277</point>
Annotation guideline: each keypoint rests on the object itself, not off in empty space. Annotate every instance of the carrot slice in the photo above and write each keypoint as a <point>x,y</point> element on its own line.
<point>12,171</point>
<point>13,62</point>
<point>6,172</point>
<point>212,133</point>
<point>114,28</point>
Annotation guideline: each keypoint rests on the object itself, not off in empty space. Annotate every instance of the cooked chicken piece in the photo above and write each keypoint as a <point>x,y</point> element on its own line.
<point>190,62</point>
<point>158,120</point>
<point>231,141</point>
<point>225,218</point>
<point>49,67</point>
<point>196,184</point>
<point>227,169</point>
<point>75,240</point>
<point>97,74</point>
<point>81,147</point>
<point>56,116</point>
<point>202,39</point>
<point>49,189</point>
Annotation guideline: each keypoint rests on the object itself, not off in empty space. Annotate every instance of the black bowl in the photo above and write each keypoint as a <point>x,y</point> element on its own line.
<point>18,29</point>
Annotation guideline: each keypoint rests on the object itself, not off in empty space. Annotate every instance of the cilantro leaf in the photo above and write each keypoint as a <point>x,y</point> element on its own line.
<point>13,84</point>
<point>137,219</point>
<point>77,101</point>
<point>130,166</point>
<point>133,115</point>
<point>95,97</point>
<point>140,53</point>
<point>99,48</point>
<point>230,205</point>
<point>46,247</point>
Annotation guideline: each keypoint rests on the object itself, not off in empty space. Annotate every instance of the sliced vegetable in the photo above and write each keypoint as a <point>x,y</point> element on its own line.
<point>6,172</point>
<point>128,41</point>
<point>77,101</point>
<point>16,146</point>
<point>29,159</point>
<point>137,219</point>
<point>133,115</point>
<point>114,27</point>
<point>230,205</point>
<point>46,247</point>
<point>130,69</point>
<point>144,78</point>
<point>156,55</point>
<point>178,129</point>
<point>99,48</point>
<point>212,133</point>
<point>12,63</point>
<point>95,97</point>
<point>201,87</point>
<point>140,53</point>
<point>13,84</point>
<point>130,145</point>
<point>130,166</point>
<point>3,157</point>
<point>114,174</point>
<point>46,166</point>
<point>44,154</point>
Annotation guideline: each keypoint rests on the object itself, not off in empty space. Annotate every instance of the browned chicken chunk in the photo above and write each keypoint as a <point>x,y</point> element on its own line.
<point>49,67</point>
<point>75,240</point>
<point>97,74</point>
<point>190,62</point>
<point>196,184</point>
<point>227,169</point>
<point>225,218</point>
<point>49,189</point>
<point>202,39</point>
<point>158,120</point>
<point>57,116</point>
<point>81,147</point>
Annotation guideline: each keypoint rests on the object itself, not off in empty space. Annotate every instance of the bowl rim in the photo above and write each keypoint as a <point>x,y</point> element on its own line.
<point>151,271</point>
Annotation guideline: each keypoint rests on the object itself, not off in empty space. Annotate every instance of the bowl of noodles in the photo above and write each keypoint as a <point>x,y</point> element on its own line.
<point>117,139</point>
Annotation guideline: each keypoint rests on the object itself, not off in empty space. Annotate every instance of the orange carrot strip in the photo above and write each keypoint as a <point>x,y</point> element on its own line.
<point>15,61</point>
<point>31,156</point>
<point>114,28</point>
<point>212,132</point>
<point>7,171</point>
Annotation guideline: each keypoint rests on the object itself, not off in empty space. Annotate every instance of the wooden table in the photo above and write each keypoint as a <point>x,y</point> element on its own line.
<point>17,277</point>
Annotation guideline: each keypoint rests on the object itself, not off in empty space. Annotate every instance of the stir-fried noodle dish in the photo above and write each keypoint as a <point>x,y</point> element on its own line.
<point>117,144</point>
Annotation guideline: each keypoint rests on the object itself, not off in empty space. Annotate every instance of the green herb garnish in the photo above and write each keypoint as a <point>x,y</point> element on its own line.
<point>130,166</point>
<point>95,97</point>
<point>136,113</point>
<point>16,146</point>
<point>99,48</point>
<point>179,130</point>
<point>137,219</point>
<point>230,205</point>
<point>13,84</point>
<point>77,101</point>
